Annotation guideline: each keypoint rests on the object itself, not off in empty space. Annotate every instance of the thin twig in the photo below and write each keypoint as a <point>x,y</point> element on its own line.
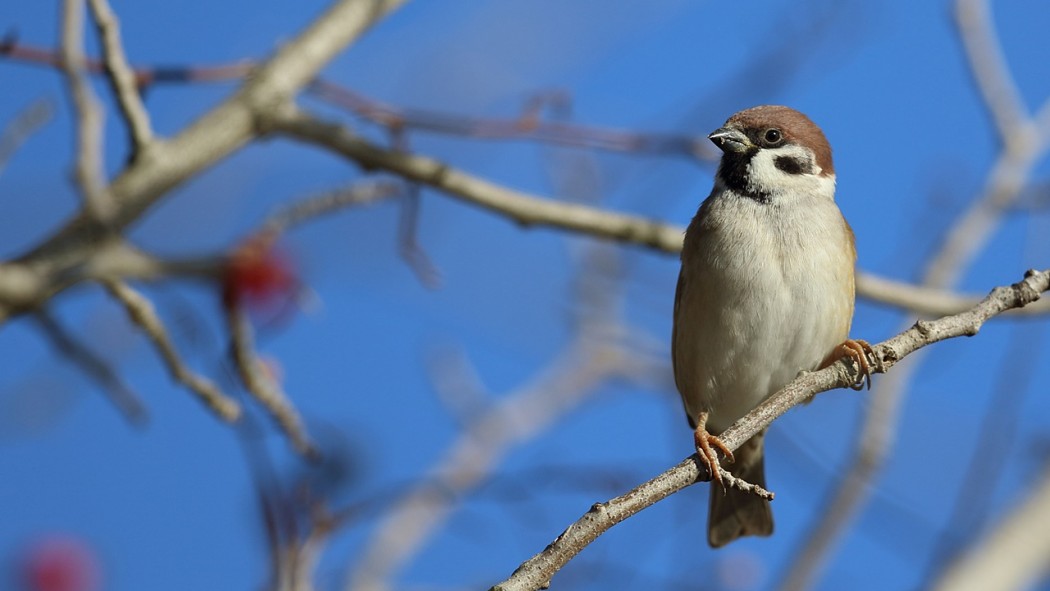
<point>89,115</point>
<point>408,240</point>
<point>329,202</point>
<point>142,313</point>
<point>24,124</point>
<point>122,77</point>
<point>261,385</point>
<point>223,130</point>
<point>973,19</point>
<point>536,572</point>
<point>96,368</point>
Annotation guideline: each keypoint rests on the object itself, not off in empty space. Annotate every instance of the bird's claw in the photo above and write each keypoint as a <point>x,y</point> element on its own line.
<point>858,351</point>
<point>707,448</point>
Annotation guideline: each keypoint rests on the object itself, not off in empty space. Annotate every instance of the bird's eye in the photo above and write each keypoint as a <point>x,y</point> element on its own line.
<point>773,136</point>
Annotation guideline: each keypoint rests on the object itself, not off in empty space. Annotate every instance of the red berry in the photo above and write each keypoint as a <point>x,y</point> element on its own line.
<point>60,563</point>
<point>260,276</point>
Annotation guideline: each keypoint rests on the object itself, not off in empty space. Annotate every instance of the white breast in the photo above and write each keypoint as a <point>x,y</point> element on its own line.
<point>766,291</point>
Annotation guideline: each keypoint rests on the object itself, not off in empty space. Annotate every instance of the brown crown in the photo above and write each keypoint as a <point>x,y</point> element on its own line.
<point>796,128</point>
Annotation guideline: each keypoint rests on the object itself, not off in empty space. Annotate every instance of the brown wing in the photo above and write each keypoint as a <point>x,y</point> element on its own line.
<point>674,339</point>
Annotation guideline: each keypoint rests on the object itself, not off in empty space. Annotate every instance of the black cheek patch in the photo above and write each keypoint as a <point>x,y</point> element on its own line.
<point>790,165</point>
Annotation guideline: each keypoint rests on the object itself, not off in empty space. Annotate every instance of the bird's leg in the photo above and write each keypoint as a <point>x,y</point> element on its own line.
<point>857,351</point>
<point>708,446</point>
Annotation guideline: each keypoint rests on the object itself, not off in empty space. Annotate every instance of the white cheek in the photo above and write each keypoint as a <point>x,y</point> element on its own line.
<point>767,178</point>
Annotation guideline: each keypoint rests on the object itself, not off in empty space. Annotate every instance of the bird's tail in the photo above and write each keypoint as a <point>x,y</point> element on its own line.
<point>735,513</point>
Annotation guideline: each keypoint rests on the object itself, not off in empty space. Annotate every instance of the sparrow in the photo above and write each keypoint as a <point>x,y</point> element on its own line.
<point>766,291</point>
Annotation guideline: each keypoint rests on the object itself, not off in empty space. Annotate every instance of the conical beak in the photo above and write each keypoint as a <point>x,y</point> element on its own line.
<point>730,140</point>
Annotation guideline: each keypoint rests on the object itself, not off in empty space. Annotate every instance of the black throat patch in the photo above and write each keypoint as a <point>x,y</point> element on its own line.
<point>734,175</point>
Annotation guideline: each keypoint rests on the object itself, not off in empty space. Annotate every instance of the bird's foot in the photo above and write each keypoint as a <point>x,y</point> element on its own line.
<point>858,351</point>
<point>708,446</point>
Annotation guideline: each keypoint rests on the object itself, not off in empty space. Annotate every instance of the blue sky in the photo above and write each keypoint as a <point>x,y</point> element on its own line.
<point>172,505</point>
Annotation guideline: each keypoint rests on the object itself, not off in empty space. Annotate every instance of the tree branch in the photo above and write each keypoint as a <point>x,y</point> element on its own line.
<point>24,124</point>
<point>261,384</point>
<point>98,204</point>
<point>1014,556</point>
<point>536,572</point>
<point>142,313</point>
<point>122,77</point>
<point>96,368</point>
<point>973,19</point>
<point>532,210</point>
<point>215,135</point>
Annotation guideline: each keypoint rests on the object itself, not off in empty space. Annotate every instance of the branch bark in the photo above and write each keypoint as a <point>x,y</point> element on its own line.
<point>536,572</point>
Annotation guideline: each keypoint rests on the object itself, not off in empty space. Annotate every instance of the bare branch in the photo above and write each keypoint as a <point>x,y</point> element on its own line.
<point>96,368</point>
<point>329,202</point>
<point>88,114</point>
<point>536,572</point>
<point>522,208</point>
<point>141,312</point>
<point>927,301</point>
<point>1014,556</point>
<point>24,124</point>
<point>998,428</point>
<point>1023,145</point>
<point>988,66</point>
<point>1024,140</point>
<point>408,241</point>
<point>574,376</point>
<point>43,271</point>
<point>261,385</point>
<point>528,126</point>
<point>121,77</point>
<point>494,426</point>
<point>531,210</point>
<point>222,130</point>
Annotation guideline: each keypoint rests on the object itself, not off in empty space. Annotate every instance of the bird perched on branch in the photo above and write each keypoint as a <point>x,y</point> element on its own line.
<point>765,291</point>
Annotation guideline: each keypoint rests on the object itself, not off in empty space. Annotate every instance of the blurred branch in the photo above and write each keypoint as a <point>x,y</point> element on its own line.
<point>525,209</point>
<point>220,132</point>
<point>96,368</point>
<point>27,282</point>
<point>576,374</point>
<point>1024,143</point>
<point>261,384</point>
<point>89,115</point>
<point>999,429</point>
<point>531,210</point>
<point>973,19</point>
<point>121,77</point>
<point>142,313</point>
<point>1014,556</point>
<point>528,126</point>
<point>329,202</point>
<point>492,427</point>
<point>24,124</point>
<point>536,572</point>
<point>1025,140</point>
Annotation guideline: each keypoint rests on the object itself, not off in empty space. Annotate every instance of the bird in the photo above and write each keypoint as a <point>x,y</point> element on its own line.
<point>765,291</point>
